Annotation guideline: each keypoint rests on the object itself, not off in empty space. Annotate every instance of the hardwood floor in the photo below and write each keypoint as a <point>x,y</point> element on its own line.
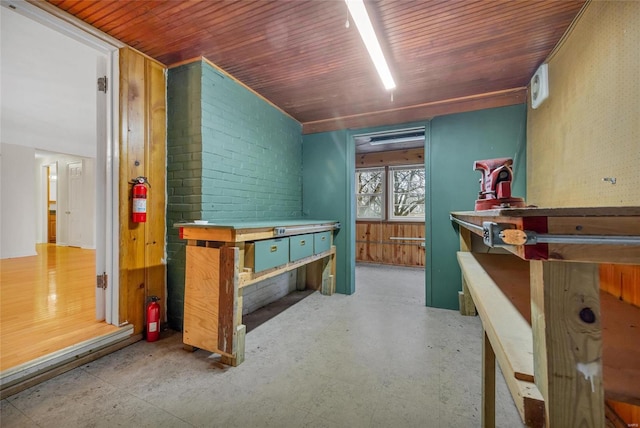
<point>47,303</point>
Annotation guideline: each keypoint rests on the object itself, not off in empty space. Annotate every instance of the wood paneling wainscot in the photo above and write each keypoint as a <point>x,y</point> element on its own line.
<point>142,153</point>
<point>374,243</point>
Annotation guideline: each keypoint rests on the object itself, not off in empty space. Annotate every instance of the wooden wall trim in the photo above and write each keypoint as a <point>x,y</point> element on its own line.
<point>419,112</point>
<point>142,153</point>
<point>393,158</point>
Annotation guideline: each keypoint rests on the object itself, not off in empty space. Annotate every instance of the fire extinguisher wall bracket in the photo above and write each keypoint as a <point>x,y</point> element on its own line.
<point>153,319</point>
<point>139,195</point>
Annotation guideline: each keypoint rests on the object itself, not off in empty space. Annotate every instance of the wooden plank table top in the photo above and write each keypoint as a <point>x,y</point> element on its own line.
<point>556,212</point>
<point>241,231</point>
<point>574,222</point>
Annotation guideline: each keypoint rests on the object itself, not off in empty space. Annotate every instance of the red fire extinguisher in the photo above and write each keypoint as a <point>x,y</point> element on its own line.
<point>153,319</point>
<point>139,213</point>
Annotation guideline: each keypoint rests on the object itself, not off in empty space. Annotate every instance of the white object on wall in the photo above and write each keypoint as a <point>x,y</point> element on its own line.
<point>540,85</point>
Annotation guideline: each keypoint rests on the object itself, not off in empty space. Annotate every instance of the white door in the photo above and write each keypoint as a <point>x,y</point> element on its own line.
<point>74,213</point>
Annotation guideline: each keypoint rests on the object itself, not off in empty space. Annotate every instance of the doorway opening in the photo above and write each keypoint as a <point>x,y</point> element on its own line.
<point>57,145</point>
<point>390,198</point>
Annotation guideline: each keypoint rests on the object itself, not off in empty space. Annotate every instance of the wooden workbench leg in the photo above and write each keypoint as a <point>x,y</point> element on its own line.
<point>567,343</point>
<point>467,307</point>
<point>328,275</point>
<point>488,383</point>
<point>332,262</point>
<point>301,278</point>
<point>231,332</point>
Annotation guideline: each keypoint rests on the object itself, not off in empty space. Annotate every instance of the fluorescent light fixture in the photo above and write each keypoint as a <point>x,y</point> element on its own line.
<point>359,14</point>
<point>397,140</point>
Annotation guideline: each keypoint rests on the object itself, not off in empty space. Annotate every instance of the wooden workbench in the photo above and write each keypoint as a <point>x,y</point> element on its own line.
<point>562,344</point>
<point>224,257</point>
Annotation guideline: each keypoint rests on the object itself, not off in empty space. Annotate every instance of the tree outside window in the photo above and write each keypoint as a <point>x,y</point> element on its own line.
<point>408,188</point>
<point>406,193</point>
<point>370,193</point>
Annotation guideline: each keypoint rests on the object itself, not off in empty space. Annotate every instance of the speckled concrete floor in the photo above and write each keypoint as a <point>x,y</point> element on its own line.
<point>379,358</point>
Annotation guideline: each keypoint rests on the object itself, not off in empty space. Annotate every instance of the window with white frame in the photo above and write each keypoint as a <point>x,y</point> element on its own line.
<point>407,192</point>
<point>402,199</point>
<point>370,186</point>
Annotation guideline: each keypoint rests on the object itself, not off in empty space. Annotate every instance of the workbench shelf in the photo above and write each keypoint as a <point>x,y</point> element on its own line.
<point>563,344</point>
<point>223,258</point>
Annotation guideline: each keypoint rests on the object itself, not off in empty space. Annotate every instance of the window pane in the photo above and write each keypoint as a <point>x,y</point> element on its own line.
<point>370,193</point>
<point>369,181</point>
<point>369,206</point>
<point>408,192</point>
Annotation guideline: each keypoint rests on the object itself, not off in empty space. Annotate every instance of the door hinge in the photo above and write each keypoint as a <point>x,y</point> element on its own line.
<point>102,84</point>
<point>102,280</point>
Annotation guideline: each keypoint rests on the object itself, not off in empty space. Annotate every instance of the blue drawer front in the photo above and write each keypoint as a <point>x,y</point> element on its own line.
<point>321,242</point>
<point>271,253</point>
<point>300,246</point>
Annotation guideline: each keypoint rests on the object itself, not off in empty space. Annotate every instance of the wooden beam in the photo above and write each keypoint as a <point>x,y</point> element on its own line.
<point>392,158</point>
<point>621,254</point>
<point>570,221</point>
<point>620,225</point>
<point>565,315</point>
<point>619,324</point>
<point>509,334</point>
<point>467,306</point>
<point>228,317</point>
<point>488,383</point>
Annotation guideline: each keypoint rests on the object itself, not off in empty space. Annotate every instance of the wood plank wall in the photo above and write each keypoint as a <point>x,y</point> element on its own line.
<point>587,130</point>
<point>142,153</point>
<point>374,243</point>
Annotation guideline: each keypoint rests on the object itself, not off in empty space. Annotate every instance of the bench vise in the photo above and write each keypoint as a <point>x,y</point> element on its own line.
<point>495,184</point>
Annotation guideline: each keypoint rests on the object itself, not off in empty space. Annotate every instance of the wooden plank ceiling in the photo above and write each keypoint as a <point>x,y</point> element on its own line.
<point>446,56</point>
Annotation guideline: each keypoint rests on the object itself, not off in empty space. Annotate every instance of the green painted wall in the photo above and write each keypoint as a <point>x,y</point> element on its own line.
<point>328,161</point>
<point>456,142</point>
<point>231,155</point>
<point>453,143</point>
<point>251,154</point>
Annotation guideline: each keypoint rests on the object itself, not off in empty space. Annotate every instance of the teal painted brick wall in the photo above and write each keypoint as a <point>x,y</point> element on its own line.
<point>251,154</point>
<point>184,171</point>
<point>231,155</point>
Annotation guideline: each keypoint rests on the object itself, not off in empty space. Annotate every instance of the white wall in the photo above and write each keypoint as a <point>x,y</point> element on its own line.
<point>18,201</point>
<point>48,84</point>
<point>48,102</point>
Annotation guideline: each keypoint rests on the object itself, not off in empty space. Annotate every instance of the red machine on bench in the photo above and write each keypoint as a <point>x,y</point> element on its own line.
<point>495,184</point>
